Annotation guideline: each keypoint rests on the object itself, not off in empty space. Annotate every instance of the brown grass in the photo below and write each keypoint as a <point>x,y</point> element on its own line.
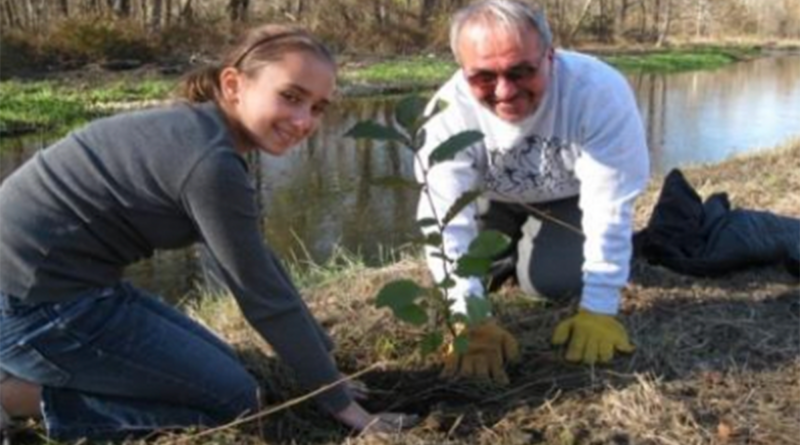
<point>717,360</point>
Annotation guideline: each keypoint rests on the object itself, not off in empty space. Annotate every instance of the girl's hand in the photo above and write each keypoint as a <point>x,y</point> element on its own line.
<point>357,389</point>
<point>357,418</point>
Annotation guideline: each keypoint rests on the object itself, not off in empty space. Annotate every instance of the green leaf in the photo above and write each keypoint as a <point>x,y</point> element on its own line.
<point>419,140</point>
<point>468,266</point>
<point>427,222</point>
<point>436,296</point>
<point>409,112</point>
<point>478,309</point>
<point>412,314</point>
<point>488,243</point>
<point>431,342</point>
<point>448,149</point>
<point>446,283</point>
<point>433,239</point>
<point>398,293</point>
<point>461,344</point>
<point>458,317</point>
<point>373,130</point>
<point>464,200</point>
<point>396,182</point>
<point>440,106</point>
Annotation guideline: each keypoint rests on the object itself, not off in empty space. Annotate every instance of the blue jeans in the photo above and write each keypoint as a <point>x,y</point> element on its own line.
<point>117,363</point>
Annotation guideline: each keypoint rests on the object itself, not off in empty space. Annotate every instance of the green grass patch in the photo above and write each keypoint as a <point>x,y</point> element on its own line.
<point>126,91</point>
<point>50,105</point>
<point>39,105</point>
<point>671,61</point>
<point>415,70</point>
<point>427,70</point>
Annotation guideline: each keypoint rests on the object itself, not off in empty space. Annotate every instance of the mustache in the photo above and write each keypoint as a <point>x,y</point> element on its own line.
<point>520,94</point>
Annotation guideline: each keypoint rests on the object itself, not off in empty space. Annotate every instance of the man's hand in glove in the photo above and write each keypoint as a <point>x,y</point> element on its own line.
<point>489,348</point>
<point>592,337</point>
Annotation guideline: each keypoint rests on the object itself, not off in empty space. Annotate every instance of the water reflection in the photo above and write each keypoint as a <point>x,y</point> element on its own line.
<point>707,116</point>
<point>323,194</point>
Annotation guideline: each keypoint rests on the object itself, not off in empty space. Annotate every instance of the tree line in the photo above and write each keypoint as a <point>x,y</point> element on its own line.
<point>410,25</point>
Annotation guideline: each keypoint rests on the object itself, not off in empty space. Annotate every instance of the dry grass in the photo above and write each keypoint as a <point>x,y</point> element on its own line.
<point>717,360</point>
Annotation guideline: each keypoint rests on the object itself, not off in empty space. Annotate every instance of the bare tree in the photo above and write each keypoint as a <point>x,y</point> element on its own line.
<point>11,17</point>
<point>425,12</point>
<point>665,26</point>
<point>156,14</point>
<point>643,20</point>
<point>622,13</point>
<point>238,10</point>
<point>787,24</point>
<point>570,36</point>
<point>379,12</point>
<point>92,7</point>
<point>701,9</point>
<point>186,13</point>
<point>120,8</point>
<point>408,24</point>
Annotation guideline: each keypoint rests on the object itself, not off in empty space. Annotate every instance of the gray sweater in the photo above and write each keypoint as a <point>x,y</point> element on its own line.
<point>77,213</point>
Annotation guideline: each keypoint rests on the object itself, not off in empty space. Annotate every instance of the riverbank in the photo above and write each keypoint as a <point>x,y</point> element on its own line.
<point>64,100</point>
<point>421,73</point>
<point>717,360</point>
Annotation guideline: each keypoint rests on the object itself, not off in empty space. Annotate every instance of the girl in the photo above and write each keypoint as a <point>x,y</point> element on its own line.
<point>97,357</point>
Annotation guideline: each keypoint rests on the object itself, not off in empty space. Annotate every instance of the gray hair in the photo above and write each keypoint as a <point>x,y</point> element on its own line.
<point>513,15</point>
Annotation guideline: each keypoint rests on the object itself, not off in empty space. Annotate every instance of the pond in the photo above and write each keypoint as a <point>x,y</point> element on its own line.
<point>708,116</point>
<point>326,194</point>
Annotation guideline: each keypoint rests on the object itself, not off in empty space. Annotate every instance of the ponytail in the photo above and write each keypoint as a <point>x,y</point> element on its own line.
<point>201,85</point>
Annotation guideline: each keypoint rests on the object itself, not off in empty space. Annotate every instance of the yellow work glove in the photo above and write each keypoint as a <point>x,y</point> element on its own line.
<point>489,348</point>
<point>592,337</point>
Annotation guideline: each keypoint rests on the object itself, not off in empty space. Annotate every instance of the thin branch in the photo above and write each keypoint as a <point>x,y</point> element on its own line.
<point>281,407</point>
<point>441,227</point>
<point>553,219</point>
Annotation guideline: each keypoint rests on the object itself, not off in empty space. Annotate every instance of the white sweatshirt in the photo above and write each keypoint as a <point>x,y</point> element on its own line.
<point>586,138</point>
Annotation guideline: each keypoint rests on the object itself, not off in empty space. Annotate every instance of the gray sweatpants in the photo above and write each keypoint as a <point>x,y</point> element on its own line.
<point>545,257</point>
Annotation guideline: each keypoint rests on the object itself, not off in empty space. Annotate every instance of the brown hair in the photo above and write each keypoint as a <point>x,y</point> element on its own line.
<point>256,48</point>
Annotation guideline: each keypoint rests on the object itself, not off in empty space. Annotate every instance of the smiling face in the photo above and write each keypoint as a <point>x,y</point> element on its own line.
<point>281,104</point>
<point>508,72</point>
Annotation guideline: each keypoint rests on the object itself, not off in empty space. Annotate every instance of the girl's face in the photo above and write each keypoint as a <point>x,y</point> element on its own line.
<point>281,104</point>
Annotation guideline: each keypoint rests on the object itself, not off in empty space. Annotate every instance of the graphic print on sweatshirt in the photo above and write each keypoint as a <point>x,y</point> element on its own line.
<point>535,169</point>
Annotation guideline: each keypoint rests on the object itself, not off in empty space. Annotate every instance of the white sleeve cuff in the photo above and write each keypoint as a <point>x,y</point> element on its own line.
<point>600,299</point>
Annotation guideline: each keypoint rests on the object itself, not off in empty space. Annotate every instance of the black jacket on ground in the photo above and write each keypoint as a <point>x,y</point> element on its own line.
<point>709,238</point>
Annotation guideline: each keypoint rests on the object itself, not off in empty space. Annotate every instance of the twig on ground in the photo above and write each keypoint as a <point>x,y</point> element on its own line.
<point>281,407</point>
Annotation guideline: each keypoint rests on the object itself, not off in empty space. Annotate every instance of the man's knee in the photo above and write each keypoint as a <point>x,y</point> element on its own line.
<point>552,278</point>
<point>555,288</point>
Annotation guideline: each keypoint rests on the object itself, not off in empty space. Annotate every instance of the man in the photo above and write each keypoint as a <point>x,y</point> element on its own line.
<point>562,160</point>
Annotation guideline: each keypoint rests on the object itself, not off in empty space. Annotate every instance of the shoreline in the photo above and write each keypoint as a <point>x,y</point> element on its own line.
<point>57,100</point>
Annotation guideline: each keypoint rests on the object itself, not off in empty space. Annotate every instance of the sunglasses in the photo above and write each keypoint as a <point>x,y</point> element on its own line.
<point>487,80</point>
